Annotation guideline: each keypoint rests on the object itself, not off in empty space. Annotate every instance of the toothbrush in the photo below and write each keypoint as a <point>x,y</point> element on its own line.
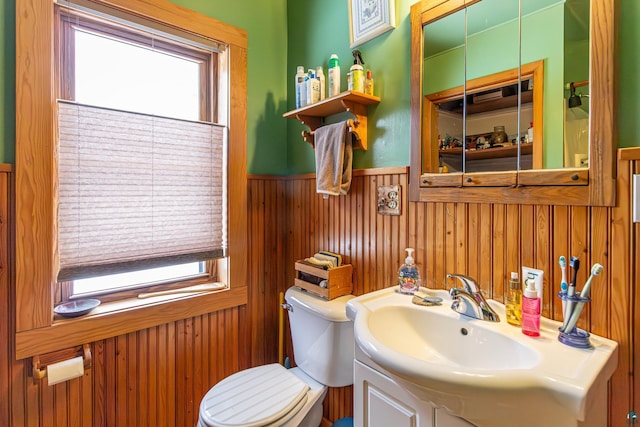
<point>563,285</point>
<point>571,291</point>
<point>586,291</point>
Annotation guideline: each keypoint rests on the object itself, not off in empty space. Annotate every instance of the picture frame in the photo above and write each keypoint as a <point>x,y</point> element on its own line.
<point>370,18</point>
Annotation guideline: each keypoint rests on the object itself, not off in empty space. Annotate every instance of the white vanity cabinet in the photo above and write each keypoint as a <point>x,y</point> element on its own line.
<point>381,402</point>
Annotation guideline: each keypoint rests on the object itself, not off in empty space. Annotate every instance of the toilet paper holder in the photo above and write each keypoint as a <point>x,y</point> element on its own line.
<point>40,362</point>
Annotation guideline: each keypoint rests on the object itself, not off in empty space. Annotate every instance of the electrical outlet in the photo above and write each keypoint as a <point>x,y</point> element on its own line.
<point>636,198</point>
<point>389,199</point>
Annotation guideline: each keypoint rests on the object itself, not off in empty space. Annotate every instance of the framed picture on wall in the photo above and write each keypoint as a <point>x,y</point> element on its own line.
<point>370,18</point>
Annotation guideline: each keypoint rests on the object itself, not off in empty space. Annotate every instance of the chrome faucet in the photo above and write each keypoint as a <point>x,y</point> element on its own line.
<point>469,301</point>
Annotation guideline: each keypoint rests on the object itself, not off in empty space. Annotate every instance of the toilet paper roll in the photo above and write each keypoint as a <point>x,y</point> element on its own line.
<point>65,370</point>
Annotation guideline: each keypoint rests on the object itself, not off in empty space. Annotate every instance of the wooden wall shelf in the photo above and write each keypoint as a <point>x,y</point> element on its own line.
<point>352,102</point>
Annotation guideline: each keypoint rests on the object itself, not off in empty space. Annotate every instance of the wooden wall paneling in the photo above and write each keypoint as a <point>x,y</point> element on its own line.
<point>448,226</point>
<point>473,253</point>
<point>601,288</point>
<point>154,372</point>
<point>85,401</point>
<point>215,341</point>
<point>354,246</point>
<point>542,256</point>
<point>527,239</point>
<point>621,382</point>
<point>377,222</point>
<point>499,277</point>
<point>5,306</point>
<point>512,240</point>
<point>485,250</point>
<point>157,376</point>
<point>634,279</point>
<point>274,284</point>
<point>44,408</point>
<point>559,247</point>
<point>257,234</point>
<point>460,212</point>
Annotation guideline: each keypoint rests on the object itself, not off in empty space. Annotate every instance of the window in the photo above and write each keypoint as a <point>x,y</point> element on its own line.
<point>141,161</point>
<point>37,248</point>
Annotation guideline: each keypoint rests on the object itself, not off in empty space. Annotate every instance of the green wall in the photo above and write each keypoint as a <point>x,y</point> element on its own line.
<point>266,25</point>
<point>7,81</point>
<point>284,34</point>
<point>318,28</point>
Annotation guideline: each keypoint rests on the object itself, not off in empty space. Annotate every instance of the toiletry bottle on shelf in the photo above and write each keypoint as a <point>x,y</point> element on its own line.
<point>313,88</point>
<point>304,90</point>
<point>531,310</point>
<point>357,72</point>
<point>368,83</point>
<point>334,75</point>
<point>321,79</point>
<point>299,80</point>
<point>513,301</point>
<point>409,275</point>
<point>530,132</point>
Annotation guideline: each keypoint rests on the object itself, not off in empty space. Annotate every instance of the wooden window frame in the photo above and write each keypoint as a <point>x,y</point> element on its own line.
<point>36,329</point>
<point>66,20</point>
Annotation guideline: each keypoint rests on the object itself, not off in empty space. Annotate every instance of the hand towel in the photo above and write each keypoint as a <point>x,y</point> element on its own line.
<point>334,158</point>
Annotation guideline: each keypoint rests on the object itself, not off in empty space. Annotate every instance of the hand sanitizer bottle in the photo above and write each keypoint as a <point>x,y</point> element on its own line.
<point>409,275</point>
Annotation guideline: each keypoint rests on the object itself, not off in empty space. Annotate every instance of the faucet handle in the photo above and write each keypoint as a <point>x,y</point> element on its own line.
<point>468,283</point>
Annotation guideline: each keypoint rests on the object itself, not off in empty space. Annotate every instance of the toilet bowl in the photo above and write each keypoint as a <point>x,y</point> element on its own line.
<point>272,395</point>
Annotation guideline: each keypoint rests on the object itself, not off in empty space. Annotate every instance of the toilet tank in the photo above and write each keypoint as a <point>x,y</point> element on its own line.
<point>322,336</point>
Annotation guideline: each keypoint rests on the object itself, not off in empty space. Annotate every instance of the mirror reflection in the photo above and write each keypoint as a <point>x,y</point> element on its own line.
<point>508,81</point>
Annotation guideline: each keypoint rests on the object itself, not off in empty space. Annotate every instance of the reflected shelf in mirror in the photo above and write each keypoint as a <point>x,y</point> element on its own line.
<point>592,185</point>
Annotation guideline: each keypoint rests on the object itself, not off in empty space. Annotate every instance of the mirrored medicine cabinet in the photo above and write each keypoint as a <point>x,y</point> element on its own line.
<point>512,101</point>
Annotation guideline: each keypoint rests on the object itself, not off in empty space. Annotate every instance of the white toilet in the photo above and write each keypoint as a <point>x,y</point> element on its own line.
<point>272,395</point>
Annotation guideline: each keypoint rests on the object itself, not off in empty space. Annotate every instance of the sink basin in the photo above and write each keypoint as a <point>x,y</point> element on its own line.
<point>431,336</point>
<point>482,371</point>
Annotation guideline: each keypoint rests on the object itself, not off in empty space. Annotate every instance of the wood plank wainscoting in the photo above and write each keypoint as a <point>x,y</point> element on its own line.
<point>157,376</point>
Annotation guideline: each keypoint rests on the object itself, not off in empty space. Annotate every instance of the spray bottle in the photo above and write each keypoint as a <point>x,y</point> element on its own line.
<point>357,72</point>
<point>531,310</point>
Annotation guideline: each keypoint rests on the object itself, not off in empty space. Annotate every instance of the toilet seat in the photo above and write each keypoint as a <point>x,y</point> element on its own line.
<point>254,397</point>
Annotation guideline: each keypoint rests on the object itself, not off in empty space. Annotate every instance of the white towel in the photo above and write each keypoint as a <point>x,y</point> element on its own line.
<point>334,158</point>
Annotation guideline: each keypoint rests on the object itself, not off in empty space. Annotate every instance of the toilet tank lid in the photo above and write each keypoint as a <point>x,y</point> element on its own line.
<point>334,310</point>
<point>254,397</point>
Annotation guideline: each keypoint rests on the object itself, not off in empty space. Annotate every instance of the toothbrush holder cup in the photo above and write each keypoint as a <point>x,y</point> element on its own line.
<point>576,337</point>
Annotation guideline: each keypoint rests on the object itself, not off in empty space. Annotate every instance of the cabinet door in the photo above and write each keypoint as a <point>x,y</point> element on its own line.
<point>445,419</point>
<point>381,402</point>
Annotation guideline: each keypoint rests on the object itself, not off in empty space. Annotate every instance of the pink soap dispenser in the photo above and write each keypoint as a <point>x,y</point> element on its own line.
<point>531,310</point>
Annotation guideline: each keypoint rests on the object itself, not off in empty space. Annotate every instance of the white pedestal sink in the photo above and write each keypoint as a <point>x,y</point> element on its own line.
<point>487,373</point>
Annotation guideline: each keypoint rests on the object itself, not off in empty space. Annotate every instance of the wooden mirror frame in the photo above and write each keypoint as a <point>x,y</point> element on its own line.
<point>582,187</point>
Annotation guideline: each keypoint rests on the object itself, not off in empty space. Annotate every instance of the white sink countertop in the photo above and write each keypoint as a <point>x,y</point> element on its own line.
<point>452,360</point>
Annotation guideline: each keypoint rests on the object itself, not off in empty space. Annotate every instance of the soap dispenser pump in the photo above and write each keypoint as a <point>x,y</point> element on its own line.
<point>409,275</point>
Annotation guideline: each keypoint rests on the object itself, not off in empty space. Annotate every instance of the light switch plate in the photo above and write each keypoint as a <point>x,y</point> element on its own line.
<point>389,199</point>
<point>636,198</point>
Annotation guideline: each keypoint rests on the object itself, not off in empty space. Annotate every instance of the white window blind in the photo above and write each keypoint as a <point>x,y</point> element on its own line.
<point>137,191</point>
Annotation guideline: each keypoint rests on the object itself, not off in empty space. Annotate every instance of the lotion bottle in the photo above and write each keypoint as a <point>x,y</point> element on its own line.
<point>320,77</point>
<point>299,81</point>
<point>531,310</point>
<point>334,75</point>
<point>513,301</point>
<point>409,275</point>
